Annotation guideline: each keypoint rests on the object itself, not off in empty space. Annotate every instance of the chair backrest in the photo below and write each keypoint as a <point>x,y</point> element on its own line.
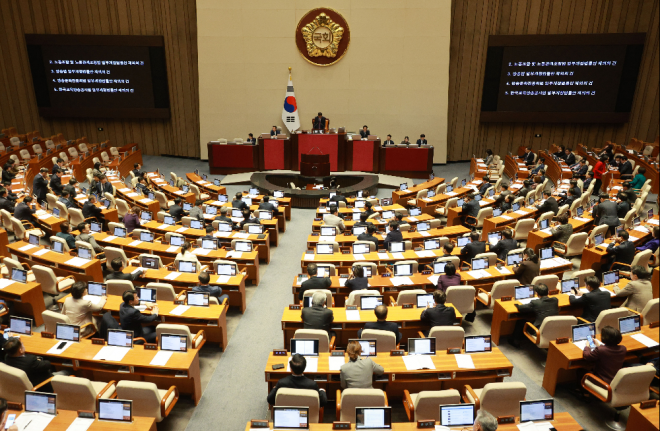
<point>162,200</point>
<point>462,298</point>
<point>52,318</point>
<point>503,398</point>
<point>631,385</point>
<point>492,257</point>
<point>118,287</point>
<point>164,291</point>
<point>224,262</point>
<point>409,296</point>
<point>523,228</point>
<point>610,318</point>
<point>76,216</point>
<point>105,157</point>
<point>74,393</point>
<point>6,220</point>
<point>427,403</point>
<point>453,259</point>
<point>13,383</point>
<point>25,154</point>
<point>170,328</point>
<point>122,207</point>
<point>300,398</point>
<point>503,288</point>
<point>326,292</point>
<point>371,244</point>
<point>354,397</point>
<point>451,203</point>
<point>650,312</point>
<point>46,278</point>
<point>82,147</point>
<point>447,337</point>
<point>385,340</point>
<point>483,214</point>
<point>315,334</point>
<point>581,275</point>
<point>65,245</point>
<point>354,296</point>
<point>453,182</point>
<point>576,243</point>
<point>414,263</point>
<point>113,253</point>
<point>73,152</point>
<point>598,230</point>
<point>549,280</point>
<point>642,259</point>
<point>554,327</point>
<point>51,199</point>
<point>145,396</point>
<point>114,151</point>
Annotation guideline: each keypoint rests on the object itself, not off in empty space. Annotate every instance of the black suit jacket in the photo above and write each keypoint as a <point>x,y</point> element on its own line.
<point>593,303</point>
<point>622,209</point>
<point>472,249</point>
<point>116,275</point>
<point>37,371</point>
<point>319,123</point>
<point>570,160</point>
<point>623,253</point>
<point>386,143</point>
<point>582,171</point>
<point>24,212</point>
<point>394,236</point>
<point>297,382</point>
<point>273,133</point>
<point>357,283</point>
<point>7,176</point>
<point>132,320</point>
<point>314,283</point>
<point>626,169</point>
<point>365,134</point>
<point>56,185</point>
<point>238,204</point>
<point>367,237</point>
<point>317,318</point>
<point>529,158</point>
<point>484,187</point>
<point>338,198</point>
<point>471,209</point>
<point>440,315</point>
<point>503,247</point>
<point>383,326</point>
<point>176,212</point>
<point>6,204</point>
<point>101,189</point>
<point>606,213</point>
<point>40,187</point>
<point>550,204</point>
<point>91,210</point>
<point>542,308</point>
<point>421,142</point>
<point>268,206</point>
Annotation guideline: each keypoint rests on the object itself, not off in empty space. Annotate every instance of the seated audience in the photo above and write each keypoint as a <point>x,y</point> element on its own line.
<point>564,231</point>
<point>357,280</point>
<point>90,210</point>
<point>473,248</point>
<point>440,315</point>
<point>132,320</point>
<point>544,306</point>
<point>394,235</point>
<point>266,205</point>
<point>653,243</point>
<point>621,250</point>
<point>24,211</point>
<point>594,301</point>
<point>318,316</point>
<point>550,203</point>
<point>297,381</point>
<point>470,208</point>
<point>529,268</point>
<point>369,235</point>
<point>505,245</point>
<point>186,254</point>
<point>484,421</point>
<point>204,286</point>
<point>358,372</point>
<point>313,282</point>
<point>382,324</point>
<point>36,368</point>
<point>176,210</point>
<point>196,212</point>
<point>80,310</point>
<point>66,236</point>
<point>608,357</point>
<point>117,274</point>
<point>638,292</point>
<point>449,278</point>
<point>639,179</point>
<point>333,219</point>
<point>86,236</point>
<point>132,219</point>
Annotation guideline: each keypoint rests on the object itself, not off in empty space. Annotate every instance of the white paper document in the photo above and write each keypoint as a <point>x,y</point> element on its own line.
<point>521,212</point>
<point>464,361</point>
<point>222,234</point>
<point>506,217</point>
<point>401,281</point>
<point>535,426</point>
<point>77,261</point>
<point>352,315</point>
<point>397,256</point>
<point>179,310</point>
<point>201,251</point>
<point>418,362</point>
<point>412,218</point>
<point>335,362</point>
<point>425,253</point>
<point>181,230</point>
<point>36,421</point>
<point>43,216</point>
<point>79,424</point>
<point>223,279</point>
<point>309,256</point>
<point>503,270</point>
<point>111,353</point>
<point>161,358</point>
<point>172,249</point>
<point>4,282</point>
<point>312,364</point>
<point>547,231</point>
<point>425,233</point>
<point>40,252</point>
<point>172,275</point>
<point>235,254</point>
<point>581,344</point>
<point>55,351</point>
<point>582,219</point>
<point>247,235</point>
<point>434,279</point>
<point>359,257</point>
<point>383,256</point>
<point>109,238</point>
<point>648,342</point>
<point>525,300</point>
<point>135,243</point>
<point>93,298</point>
<point>479,273</point>
<point>27,247</point>
<point>145,201</point>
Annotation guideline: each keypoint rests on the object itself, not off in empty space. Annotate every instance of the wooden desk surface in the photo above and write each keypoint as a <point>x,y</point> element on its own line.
<point>377,208</point>
<point>643,419</point>
<point>316,225</point>
<point>394,314</point>
<point>510,218</point>
<point>193,177</point>
<point>162,273</point>
<point>65,418</point>
<point>410,191</point>
<point>451,232</point>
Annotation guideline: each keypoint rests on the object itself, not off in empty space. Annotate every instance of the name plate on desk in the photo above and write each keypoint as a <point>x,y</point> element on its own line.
<point>179,302</point>
<point>654,324</point>
<point>337,353</point>
<point>648,404</point>
<point>426,272</point>
<point>351,307</point>
<point>397,352</point>
<point>506,298</point>
<point>404,306</point>
<point>454,351</point>
<point>45,334</point>
<point>562,340</point>
<point>340,425</point>
<point>258,423</point>
<point>430,423</point>
<point>280,352</point>
<point>86,414</point>
<point>150,346</point>
<point>295,306</point>
<point>501,420</point>
<point>553,292</point>
<point>14,406</point>
<point>99,341</point>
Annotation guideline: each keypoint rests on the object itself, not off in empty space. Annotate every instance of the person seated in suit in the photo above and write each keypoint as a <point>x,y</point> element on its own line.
<point>620,250</point>
<point>358,372</point>
<point>422,140</point>
<point>60,165</point>
<point>5,202</point>
<point>318,123</point>
<point>238,202</point>
<point>639,179</point>
<point>357,280</point>
<point>363,220</point>
<point>561,153</point>
<point>622,205</point>
<point>528,268</point>
<point>56,182</point>
<point>526,188</point>
<point>223,215</point>
<point>36,368</point>
<point>638,292</point>
<point>489,157</point>
<point>7,172</point>
<point>406,141</point>
<point>369,235</point>
<point>90,210</point>
<point>136,170</point>
<point>588,181</point>
<point>449,278</point>
<point>580,169</point>
<point>251,139</point>
<point>484,185</point>
<point>317,316</point>
<point>625,168</point>
<point>248,218</point>
<point>204,286</point>
<point>508,202</point>
<point>447,249</point>
<point>540,177</point>
<point>103,186</point>
<point>85,236</point>
<point>388,141</point>
<point>473,248</point>
<point>608,357</point>
<point>176,210</point>
<point>333,219</point>
<point>550,203</point>
<point>470,207</point>
<point>117,271</point>
<point>71,188</point>
<point>313,282</point>
<point>338,197</point>
<point>382,324</point>
<point>605,212</point>
<point>266,205</point>
<point>504,192</point>
<point>505,245</point>
<point>364,133</point>
<point>132,320</point>
<point>653,243</point>
<point>66,236</point>
<point>64,199</point>
<point>594,301</point>
<point>394,235</point>
<point>569,157</point>
<point>572,194</point>
<point>440,315</point>
<point>142,186</point>
<point>24,212</point>
<point>540,164</point>
<point>273,131</point>
<point>196,211</point>
<point>564,231</point>
<point>629,192</point>
<point>368,209</point>
<point>80,310</point>
<point>528,157</point>
<point>297,381</point>
<point>541,308</point>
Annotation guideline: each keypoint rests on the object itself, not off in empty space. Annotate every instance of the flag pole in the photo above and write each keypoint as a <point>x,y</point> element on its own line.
<point>289,72</point>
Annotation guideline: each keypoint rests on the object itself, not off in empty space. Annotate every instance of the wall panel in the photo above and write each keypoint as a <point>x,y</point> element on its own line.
<point>474,20</point>
<point>175,20</point>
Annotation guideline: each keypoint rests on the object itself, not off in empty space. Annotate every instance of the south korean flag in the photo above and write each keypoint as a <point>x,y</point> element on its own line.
<point>290,109</point>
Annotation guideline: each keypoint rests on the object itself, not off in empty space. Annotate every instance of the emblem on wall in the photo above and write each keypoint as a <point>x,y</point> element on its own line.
<point>323,36</point>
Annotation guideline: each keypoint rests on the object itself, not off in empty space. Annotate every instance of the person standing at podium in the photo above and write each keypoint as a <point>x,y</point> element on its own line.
<point>364,133</point>
<point>319,123</point>
<point>273,131</point>
<point>389,141</point>
<point>422,140</point>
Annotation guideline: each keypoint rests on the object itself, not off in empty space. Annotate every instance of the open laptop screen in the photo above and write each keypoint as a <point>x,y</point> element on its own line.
<point>19,275</point>
<point>402,270</point>
<point>373,418</point>
<point>457,415</point>
<point>570,284</point>
<point>41,402</point>
<point>514,258</point>
<point>368,346</point>
<point>424,299</point>
<point>186,266</point>
<point>360,248</point>
<point>67,332</point>
<point>370,302</point>
<point>328,231</point>
<point>439,267</point>
<point>538,410</point>
<point>146,294</point>
<point>524,292</point>
<point>199,299</point>
<point>477,344</point>
<point>546,253</point>
<point>431,244</point>
<point>611,277</point>
<point>96,289</point>
<point>421,346</point>
<point>20,325</point>
<point>580,332</point>
<point>396,247</point>
<point>290,418</point>
<point>120,338</point>
<point>305,347</point>
<point>629,324</point>
<point>115,410</point>
<point>174,342</point>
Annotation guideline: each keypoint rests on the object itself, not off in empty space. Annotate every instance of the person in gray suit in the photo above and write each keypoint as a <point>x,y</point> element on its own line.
<point>357,373</point>
<point>605,212</point>
<point>638,292</point>
<point>563,231</point>
<point>333,219</point>
<point>317,316</point>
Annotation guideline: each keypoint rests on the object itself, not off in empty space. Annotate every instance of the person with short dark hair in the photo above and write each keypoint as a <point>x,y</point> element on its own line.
<point>176,210</point>
<point>24,212</point>
<point>297,381</point>
<point>318,123</point>
<point>136,170</point>
<point>528,157</point>
<point>622,205</point>
<point>59,166</point>
<point>40,184</point>
<point>505,245</point>
<point>580,169</point>
<point>608,356</point>
<point>103,186</point>
<point>470,207</point>
<point>238,202</point>
<point>223,215</point>
<point>406,141</point>
<point>589,179</point>
<point>338,197</point>
<point>117,274</point>
<point>66,236</point>
<point>440,315</point>
<point>388,141</point>
<point>357,280</point>
<point>7,172</point>
<point>36,368</point>
<point>273,131</point>
<point>526,188</point>
<point>528,268</point>
<point>85,235</point>
<point>132,320</point>
<point>251,139</point>
<point>605,212</point>
<point>625,168</point>
<point>266,205</point>
<point>550,203</point>
<point>447,249</point>
<point>382,324</point>
<point>653,243</point>
<point>569,157</point>
<point>489,157</point>
<point>620,250</point>
<point>508,202</point>
<point>369,235</point>
<point>449,278</point>
<point>313,282</point>
<point>394,235</point>
<point>90,210</point>
<point>365,132</point>
<point>142,186</point>
<point>368,209</point>
<point>333,219</point>
<point>594,301</point>
<point>422,140</point>
<point>564,231</point>
<point>485,185</point>
<point>196,211</point>
<point>363,220</point>
<point>248,218</point>
<point>56,182</point>
<point>80,311</point>
<point>205,286</point>
<point>6,203</point>
<point>473,248</point>
<point>541,308</point>
<point>638,292</point>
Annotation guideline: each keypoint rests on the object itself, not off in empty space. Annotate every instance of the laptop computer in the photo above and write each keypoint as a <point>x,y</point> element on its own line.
<point>20,325</point>
<point>477,344</point>
<point>305,347</point>
<point>480,263</point>
<point>121,232</point>
<point>580,332</point>
<point>84,253</point>
<point>524,292</point>
<point>373,418</point>
<point>610,277</point>
<point>370,302</point>
<point>457,415</point>
<point>328,231</point>
<point>403,270</point>
<point>546,253</point>
<point>19,275</point>
<point>173,342</point>
<point>544,224</point>
<point>629,324</point>
<point>243,246</point>
<point>462,241</point>
<point>439,267</point>
<point>358,230</point>
<point>421,346</point>
<point>288,418</point>
<point>199,299</point>
<point>324,248</point>
<point>431,244</point>
<point>209,244</point>
<point>66,332</point>
<point>514,258</point>
<point>368,346</point>
<point>146,237</point>
<point>423,226</point>
<point>494,237</point>
<point>255,229</point>
<point>568,285</point>
<point>396,247</point>
<point>361,248</point>
<point>150,262</point>
<point>115,410</point>
<point>40,402</point>
<point>186,266</point>
<point>537,410</point>
<point>424,299</point>
<point>196,224</point>
<point>120,338</point>
<point>415,211</point>
<point>58,247</point>
<point>146,294</point>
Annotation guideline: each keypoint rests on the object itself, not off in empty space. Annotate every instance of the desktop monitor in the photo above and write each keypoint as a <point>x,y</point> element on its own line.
<point>524,292</point>
<point>629,324</point>
<point>370,302</point>
<point>424,299</point>
<point>186,266</point>
<point>95,288</point>
<point>611,277</point>
<point>457,415</point>
<point>255,229</point>
<point>462,241</point>
<point>33,239</point>
<point>290,418</point>
<point>367,271</point>
<point>431,244</point>
<point>439,267</point>
<point>373,418</point>
<point>598,239</point>
<point>146,294</point>
<point>146,236</point>
<point>225,269</point>
<point>19,275</point>
<point>20,325</point>
<point>120,338</point>
<point>40,402</point>
<point>477,344</point>
<point>580,332</point>
<point>322,271</point>
<point>95,227</point>
<point>211,210</point>
<point>209,244</point>
<point>368,346</point>
<point>423,226</point>
<point>265,215</point>
<point>403,186</point>
<point>403,269</point>
<point>359,203</point>
<point>84,253</point>
<point>177,241</point>
<point>515,206</point>
<point>396,247</point>
<point>173,342</point>
<point>169,220</point>
<point>278,193</point>
<point>115,410</point>
<point>199,299</point>
<point>480,263</point>
<point>415,211</point>
<point>514,258</point>
<point>568,285</point>
<point>421,346</point>
<point>196,224</point>
<point>328,231</point>
<point>544,224</point>
<point>537,410</point>
<point>150,262</point>
<point>359,230</point>
<point>66,332</point>
<point>494,237</point>
<point>223,198</point>
<point>187,206</point>
<point>304,346</point>
<point>58,247</point>
<point>324,248</point>
<point>243,246</point>
<point>361,248</point>
<point>151,196</point>
<point>547,253</point>
<point>388,214</point>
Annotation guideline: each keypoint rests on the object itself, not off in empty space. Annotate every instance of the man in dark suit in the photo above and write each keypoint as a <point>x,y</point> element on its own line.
<point>605,212</point>
<point>369,235</point>
<point>223,215</point>
<point>103,186</point>
<point>470,207</point>
<point>338,197</point>
<point>550,203</point>
<point>59,166</point>
<point>319,122</point>
<point>248,218</point>
<point>528,157</point>
<point>317,316</point>
<point>56,182</point>
<point>40,185</point>
<point>131,319</point>
<point>266,205</point>
<point>313,282</point>
<point>422,140</point>
<point>382,324</point>
<point>620,250</point>
<point>136,170</point>
<point>394,235</point>
<point>251,139</point>
<point>23,211</point>
<point>5,202</point>
<point>569,157</point>
<point>626,169</point>
<point>505,245</point>
<point>142,186</point>
<point>204,286</point>
<point>238,202</point>
<point>117,274</point>
<point>570,198</point>
<point>580,169</point>
<point>594,301</point>
<point>91,210</point>
<point>297,381</point>
<point>364,133</point>
<point>472,248</point>
<point>484,186</point>
<point>37,370</point>
<point>273,131</point>
<point>7,174</point>
<point>176,210</point>
<point>368,209</point>
<point>71,189</point>
<point>440,315</point>
<point>629,191</point>
<point>64,199</point>
<point>526,188</point>
<point>388,141</point>
<point>543,307</point>
<point>363,220</point>
<point>622,205</point>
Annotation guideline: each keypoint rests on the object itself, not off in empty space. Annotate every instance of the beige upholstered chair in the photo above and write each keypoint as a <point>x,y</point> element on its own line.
<point>498,399</point>
<point>54,239</point>
<point>492,257</point>
<point>446,337</point>
<point>51,284</point>
<point>148,400</point>
<point>122,207</point>
<point>581,275</point>
<point>25,155</point>
<point>194,342</point>
<point>14,383</point>
<point>164,291</point>
<point>482,215</point>
<point>553,327</point>
<point>223,262</point>
<point>335,245</point>
<point>138,261</point>
<point>83,147</point>
<point>443,211</point>
<point>118,287</point>
<point>371,244</point>
<point>301,398</point>
<point>642,259</point>
<point>11,264</point>
<point>500,288</point>
<point>326,292</point>
<point>425,405</point>
<point>453,259</point>
<point>73,152</point>
<point>552,281</point>
<point>18,227</point>
<point>650,312</point>
<point>629,386</point>
<point>414,263</point>
<point>76,216</point>
<point>453,182</point>
<point>420,195</point>
<point>199,194</point>
<point>37,149</point>
<point>409,296</point>
<point>349,399</point>
<point>76,393</point>
<point>574,246</point>
<point>385,340</point>
<point>523,228</point>
<point>354,296</point>
<point>462,298</point>
<point>113,253</point>
<point>610,318</point>
<point>545,216</point>
<point>326,344</point>
<point>162,200</point>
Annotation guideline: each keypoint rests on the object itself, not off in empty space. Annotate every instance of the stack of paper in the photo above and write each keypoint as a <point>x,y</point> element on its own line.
<point>383,256</point>
<point>503,270</point>
<point>40,252</point>
<point>335,362</point>
<point>451,193</point>
<point>246,235</point>
<point>27,247</point>
<point>397,256</point>
<point>418,362</point>
<point>425,233</point>
<point>653,221</point>
<point>111,353</point>
<point>535,426</point>
<point>359,257</point>
<point>43,216</point>
<point>109,238</point>
<point>547,231</point>
<point>641,229</point>
<point>521,212</point>
<point>379,209</point>
<point>222,234</point>
<point>425,253</point>
<point>434,279</point>
<point>307,256</point>
<point>179,310</point>
<point>223,279</point>
<point>201,251</point>
<point>464,361</point>
<point>172,249</point>
<point>92,298</point>
<point>79,424</point>
<point>161,358</point>
<point>4,282</point>
<point>135,243</point>
<point>582,219</point>
<point>352,315</point>
<point>235,254</point>
<point>145,200</point>
<point>479,273</point>
<point>77,261</point>
<point>412,218</point>
<point>36,421</point>
<point>526,300</point>
<point>181,229</point>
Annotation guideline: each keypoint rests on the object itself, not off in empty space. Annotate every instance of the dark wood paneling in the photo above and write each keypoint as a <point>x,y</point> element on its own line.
<point>474,20</point>
<point>175,20</point>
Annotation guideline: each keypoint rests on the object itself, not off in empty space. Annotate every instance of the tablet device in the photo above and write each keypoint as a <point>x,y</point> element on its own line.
<point>186,266</point>
<point>66,332</point>
<point>457,415</point>
<point>368,346</point>
<point>223,198</point>
<point>224,227</point>
<point>611,277</point>
<point>497,212</point>
<point>629,324</point>
<point>150,262</point>
<point>480,263</point>
<point>388,214</point>
<point>255,229</point>
<point>515,206</point>
<point>415,211</point>
<point>359,203</point>
<point>187,206</point>
<point>424,299</point>
<point>421,346</point>
<point>196,224</point>
<point>361,248</point>
<point>59,247</point>
<point>20,325</point>
<point>370,302</point>
<point>209,244</point>
<point>115,410</point>
<point>247,200</point>
<point>146,294</point>
<point>173,342</point>
<point>169,220</point>
<point>403,187</point>
<point>146,236</point>
<point>537,410</point>
<point>547,253</point>
<point>120,338</point>
<point>359,230</point>
<point>225,269</point>
<point>544,224</point>
<point>396,247</point>
<point>211,210</point>
<point>462,241</point>
<point>265,215</point>
<point>243,246</point>
<point>598,239</point>
<point>568,285</point>
<point>19,275</point>
<point>524,292</point>
<point>324,248</point>
<point>423,226</point>
<point>305,347</point>
<point>33,239</point>
<point>95,227</point>
<point>278,193</point>
<point>328,231</point>
<point>236,213</point>
<point>439,267</point>
<point>253,191</point>
<point>580,332</point>
<point>373,418</point>
<point>514,258</point>
<point>460,202</point>
<point>403,269</point>
<point>95,288</point>
<point>290,418</point>
<point>477,344</point>
<point>494,237</point>
<point>40,402</point>
<point>431,244</point>
<point>199,299</point>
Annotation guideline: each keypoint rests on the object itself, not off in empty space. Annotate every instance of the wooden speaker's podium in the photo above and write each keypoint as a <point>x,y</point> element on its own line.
<point>315,165</point>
